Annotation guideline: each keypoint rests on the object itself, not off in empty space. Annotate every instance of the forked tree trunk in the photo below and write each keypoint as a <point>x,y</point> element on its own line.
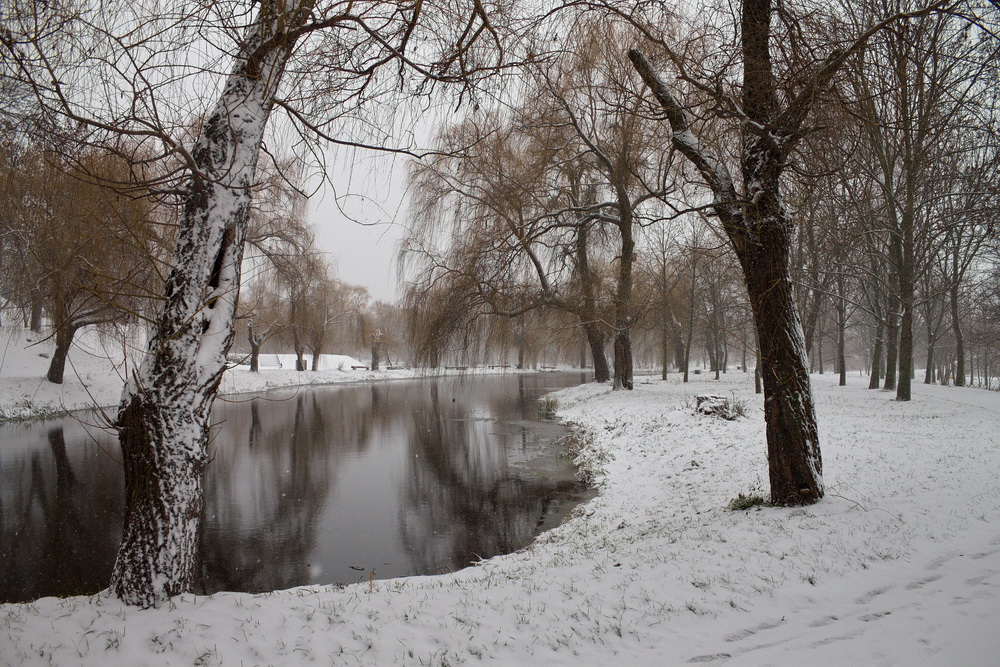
<point>256,342</point>
<point>163,421</point>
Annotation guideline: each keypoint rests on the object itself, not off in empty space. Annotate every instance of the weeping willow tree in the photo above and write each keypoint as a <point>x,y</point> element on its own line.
<point>140,71</point>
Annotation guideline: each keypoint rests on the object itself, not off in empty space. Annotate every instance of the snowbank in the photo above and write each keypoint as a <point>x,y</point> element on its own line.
<point>900,564</point>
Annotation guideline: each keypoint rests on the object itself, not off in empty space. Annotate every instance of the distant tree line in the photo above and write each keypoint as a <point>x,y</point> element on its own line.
<point>566,205</point>
<point>777,179</point>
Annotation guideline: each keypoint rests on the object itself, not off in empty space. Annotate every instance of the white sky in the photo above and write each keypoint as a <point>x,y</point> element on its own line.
<point>360,221</point>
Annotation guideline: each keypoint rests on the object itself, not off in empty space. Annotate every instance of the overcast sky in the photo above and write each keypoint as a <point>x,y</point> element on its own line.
<point>360,221</point>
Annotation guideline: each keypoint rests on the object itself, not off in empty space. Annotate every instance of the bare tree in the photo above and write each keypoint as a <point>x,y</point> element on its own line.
<point>918,87</point>
<point>341,50</point>
<point>759,228</point>
<point>538,199</point>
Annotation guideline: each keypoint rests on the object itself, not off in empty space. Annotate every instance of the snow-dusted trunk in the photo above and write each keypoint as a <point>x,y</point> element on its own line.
<point>163,420</point>
<point>762,240</point>
<point>793,455</point>
<point>760,232</point>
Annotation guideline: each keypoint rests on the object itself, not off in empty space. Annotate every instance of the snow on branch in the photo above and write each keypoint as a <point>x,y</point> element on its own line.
<point>712,169</point>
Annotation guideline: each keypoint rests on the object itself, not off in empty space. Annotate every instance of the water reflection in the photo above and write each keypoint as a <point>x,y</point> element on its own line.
<point>60,519</point>
<point>325,485</point>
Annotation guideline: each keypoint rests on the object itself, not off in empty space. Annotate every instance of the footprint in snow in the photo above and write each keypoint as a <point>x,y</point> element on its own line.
<point>922,582</point>
<point>743,634</point>
<point>865,599</point>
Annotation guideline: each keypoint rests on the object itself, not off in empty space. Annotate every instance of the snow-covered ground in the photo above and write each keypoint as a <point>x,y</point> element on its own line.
<point>900,564</point>
<point>97,368</point>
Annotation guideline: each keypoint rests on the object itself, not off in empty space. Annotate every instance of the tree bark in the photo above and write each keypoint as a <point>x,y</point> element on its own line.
<point>891,344</point>
<point>906,303</point>
<point>841,327</point>
<point>164,418</point>
<point>376,357</point>
<point>64,341</point>
<point>255,345</point>
<point>760,232</point>
<point>794,461</point>
<point>595,338</point>
<point>664,350</point>
<point>35,314</point>
<point>692,293</point>
<point>623,359</point>
<point>956,327</point>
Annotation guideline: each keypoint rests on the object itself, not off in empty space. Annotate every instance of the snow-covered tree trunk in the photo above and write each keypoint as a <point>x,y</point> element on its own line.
<point>762,241</point>
<point>163,420</point>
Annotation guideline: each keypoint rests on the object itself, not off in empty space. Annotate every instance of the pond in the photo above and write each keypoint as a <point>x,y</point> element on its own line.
<point>325,485</point>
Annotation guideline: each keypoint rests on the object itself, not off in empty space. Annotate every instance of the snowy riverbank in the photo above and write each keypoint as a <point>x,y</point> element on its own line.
<point>900,564</point>
<point>97,367</point>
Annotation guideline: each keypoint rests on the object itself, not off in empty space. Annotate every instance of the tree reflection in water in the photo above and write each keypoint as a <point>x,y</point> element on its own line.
<point>464,498</point>
<point>321,485</point>
<point>60,518</point>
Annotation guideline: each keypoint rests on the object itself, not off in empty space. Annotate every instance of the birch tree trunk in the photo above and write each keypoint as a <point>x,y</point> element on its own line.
<point>163,420</point>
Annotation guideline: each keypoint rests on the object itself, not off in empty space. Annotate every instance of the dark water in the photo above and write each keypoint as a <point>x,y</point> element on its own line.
<point>309,486</point>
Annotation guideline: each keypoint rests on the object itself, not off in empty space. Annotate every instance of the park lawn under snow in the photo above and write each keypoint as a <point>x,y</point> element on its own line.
<point>97,368</point>
<point>900,564</point>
